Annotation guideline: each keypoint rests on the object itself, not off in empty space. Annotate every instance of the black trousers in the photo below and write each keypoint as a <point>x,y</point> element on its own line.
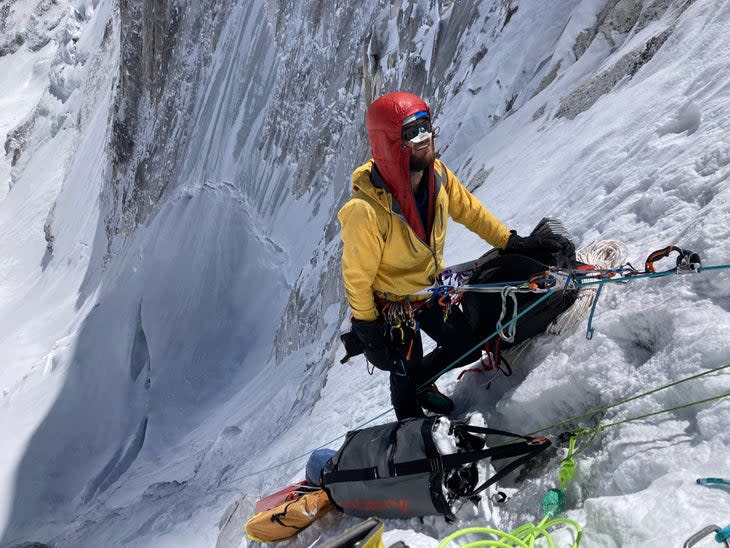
<point>411,369</point>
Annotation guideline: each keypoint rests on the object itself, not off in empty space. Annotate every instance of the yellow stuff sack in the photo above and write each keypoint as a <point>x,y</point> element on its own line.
<point>288,518</point>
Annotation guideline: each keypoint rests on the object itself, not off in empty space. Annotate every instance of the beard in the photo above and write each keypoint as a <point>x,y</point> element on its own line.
<point>421,163</point>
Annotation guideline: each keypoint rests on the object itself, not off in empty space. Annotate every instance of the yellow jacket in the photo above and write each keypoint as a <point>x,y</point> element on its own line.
<point>381,252</point>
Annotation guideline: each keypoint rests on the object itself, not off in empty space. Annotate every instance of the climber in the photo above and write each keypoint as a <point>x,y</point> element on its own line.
<point>393,234</point>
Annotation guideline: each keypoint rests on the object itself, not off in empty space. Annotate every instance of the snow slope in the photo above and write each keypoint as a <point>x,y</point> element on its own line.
<point>161,374</point>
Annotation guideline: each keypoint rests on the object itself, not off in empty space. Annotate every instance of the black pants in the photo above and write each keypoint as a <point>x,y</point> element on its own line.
<point>412,369</point>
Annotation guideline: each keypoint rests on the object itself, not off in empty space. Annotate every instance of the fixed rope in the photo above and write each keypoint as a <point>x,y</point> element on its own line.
<point>494,334</point>
<point>382,414</point>
<point>604,408</point>
<point>553,502</point>
<point>520,286</point>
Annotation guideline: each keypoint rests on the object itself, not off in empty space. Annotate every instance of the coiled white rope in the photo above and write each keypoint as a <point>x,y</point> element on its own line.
<point>602,254</point>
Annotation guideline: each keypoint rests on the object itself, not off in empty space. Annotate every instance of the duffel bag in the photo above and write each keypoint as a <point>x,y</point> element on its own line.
<point>417,467</point>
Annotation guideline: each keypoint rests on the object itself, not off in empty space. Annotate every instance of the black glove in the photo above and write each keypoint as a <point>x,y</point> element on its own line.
<point>373,336</point>
<point>353,345</point>
<point>549,249</point>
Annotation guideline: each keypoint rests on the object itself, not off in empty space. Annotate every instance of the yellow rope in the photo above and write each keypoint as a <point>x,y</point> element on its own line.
<point>524,536</point>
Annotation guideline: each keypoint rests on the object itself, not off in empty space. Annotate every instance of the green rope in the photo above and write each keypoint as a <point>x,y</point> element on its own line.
<point>603,408</point>
<point>669,410</point>
<point>567,467</point>
<point>593,432</point>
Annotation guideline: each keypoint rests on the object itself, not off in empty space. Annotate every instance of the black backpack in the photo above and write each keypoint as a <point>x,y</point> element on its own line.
<point>483,310</point>
<point>396,470</point>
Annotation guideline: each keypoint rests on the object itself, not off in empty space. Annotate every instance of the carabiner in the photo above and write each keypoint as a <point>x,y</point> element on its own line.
<point>687,261</point>
<point>706,531</point>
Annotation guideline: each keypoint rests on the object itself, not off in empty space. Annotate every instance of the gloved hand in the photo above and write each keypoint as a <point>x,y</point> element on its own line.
<point>550,249</point>
<point>374,339</point>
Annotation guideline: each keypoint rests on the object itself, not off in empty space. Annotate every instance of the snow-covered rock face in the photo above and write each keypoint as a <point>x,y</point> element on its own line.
<point>170,295</point>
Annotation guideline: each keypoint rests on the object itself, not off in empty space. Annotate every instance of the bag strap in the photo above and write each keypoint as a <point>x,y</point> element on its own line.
<point>502,472</point>
<point>488,431</point>
<point>277,517</point>
<point>449,462</point>
<point>526,450</point>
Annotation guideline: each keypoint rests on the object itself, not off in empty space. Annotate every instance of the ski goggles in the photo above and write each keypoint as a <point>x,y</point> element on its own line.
<point>417,132</point>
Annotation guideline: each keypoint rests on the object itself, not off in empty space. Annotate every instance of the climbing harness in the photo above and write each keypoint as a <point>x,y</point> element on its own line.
<point>400,313</point>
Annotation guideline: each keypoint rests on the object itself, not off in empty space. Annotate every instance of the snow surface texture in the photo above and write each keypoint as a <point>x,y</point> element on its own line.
<point>169,279</point>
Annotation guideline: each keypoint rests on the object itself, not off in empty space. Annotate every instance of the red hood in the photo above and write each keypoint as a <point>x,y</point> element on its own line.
<point>384,121</point>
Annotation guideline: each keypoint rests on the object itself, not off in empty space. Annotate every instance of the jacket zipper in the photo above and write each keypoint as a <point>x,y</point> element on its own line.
<point>409,230</point>
<point>431,249</point>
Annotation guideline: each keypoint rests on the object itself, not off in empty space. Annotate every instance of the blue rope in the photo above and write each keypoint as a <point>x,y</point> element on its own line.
<point>590,330</point>
<point>324,445</point>
<point>445,289</point>
<point>490,337</point>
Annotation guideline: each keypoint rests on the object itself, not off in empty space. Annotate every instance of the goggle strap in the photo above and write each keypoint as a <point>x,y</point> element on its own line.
<point>416,116</point>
